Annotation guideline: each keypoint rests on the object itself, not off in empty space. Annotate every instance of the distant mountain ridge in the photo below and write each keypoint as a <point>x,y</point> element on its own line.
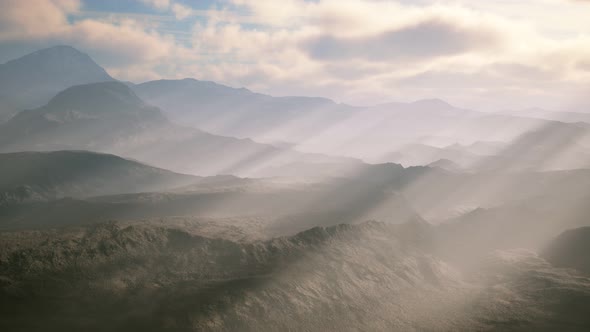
<point>416,133</point>
<point>80,117</point>
<point>569,117</point>
<point>236,112</point>
<point>110,117</point>
<point>30,81</point>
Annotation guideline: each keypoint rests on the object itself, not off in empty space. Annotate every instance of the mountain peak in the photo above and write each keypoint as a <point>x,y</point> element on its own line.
<point>432,102</point>
<point>58,50</point>
<point>62,58</point>
<point>190,82</point>
<point>105,87</point>
<point>31,80</point>
<point>446,164</point>
<point>109,96</point>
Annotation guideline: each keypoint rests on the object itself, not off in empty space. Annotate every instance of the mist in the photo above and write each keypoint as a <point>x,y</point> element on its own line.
<point>313,166</point>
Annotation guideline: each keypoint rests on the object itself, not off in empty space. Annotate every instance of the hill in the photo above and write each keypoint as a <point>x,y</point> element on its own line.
<point>278,209</point>
<point>370,276</point>
<point>33,176</point>
<point>569,250</point>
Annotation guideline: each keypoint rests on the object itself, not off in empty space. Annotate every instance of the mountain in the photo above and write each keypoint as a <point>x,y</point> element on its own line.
<point>530,223</point>
<point>242,113</point>
<point>109,117</point>
<point>375,134</point>
<point>422,154</point>
<point>173,280</point>
<point>278,208</point>
<point>552,146</point>
<point>446,164</point>
<point>311,125</point>
<point>30,81</point>
<point>84,116</point>
<point>562,116</point>
<point>432,107</point>
<point>569,250</point>
<point>415,133</point>
<point>368,277</point>
<point>364,134</point>
<point>482,148</point>
<point>34,176</point>
<point>439,195</point>
<point>239,112</point>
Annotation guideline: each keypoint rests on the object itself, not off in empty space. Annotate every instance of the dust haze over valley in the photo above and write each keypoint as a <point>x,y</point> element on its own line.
<point>239,165</point>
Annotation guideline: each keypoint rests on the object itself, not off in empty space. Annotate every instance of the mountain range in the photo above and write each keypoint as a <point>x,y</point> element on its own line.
<point>109,117</point>
<point>30,81</point>
<point>569,117</point>
<point>187,205</point>
<point>415,133</point>
<point>237,112</point>
<point>140,121</point>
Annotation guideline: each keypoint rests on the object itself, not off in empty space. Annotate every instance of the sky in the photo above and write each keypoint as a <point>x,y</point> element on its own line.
<point>490,55</point>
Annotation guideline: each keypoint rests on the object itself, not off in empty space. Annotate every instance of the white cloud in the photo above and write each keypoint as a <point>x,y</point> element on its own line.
<point>423,40</point>
<point>20,19</point>
<point>120,44</point>
<point>158,4</point>
<point>366,50</point>
<point>351,50</point>
<point>127,41</point>
<point>181,12</point>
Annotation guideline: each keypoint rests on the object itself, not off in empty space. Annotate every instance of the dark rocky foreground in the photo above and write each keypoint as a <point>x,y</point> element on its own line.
<point>370,276</point>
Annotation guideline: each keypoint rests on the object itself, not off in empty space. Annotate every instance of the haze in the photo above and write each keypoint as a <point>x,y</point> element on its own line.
<point>254,165</point>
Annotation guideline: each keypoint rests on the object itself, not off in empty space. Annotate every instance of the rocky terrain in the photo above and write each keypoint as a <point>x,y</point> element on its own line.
<point>349,277</point>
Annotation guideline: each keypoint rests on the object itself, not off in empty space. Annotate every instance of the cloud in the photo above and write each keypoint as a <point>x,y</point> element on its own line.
<point>583,65</point>
<point>34,19</point>
<point>367,50</point>
<point>181,12</point>
<point>357,51</point>
<point>120,44</point>
<point>126,42</point>
<point>429,39</point>
<point>158,4</point>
